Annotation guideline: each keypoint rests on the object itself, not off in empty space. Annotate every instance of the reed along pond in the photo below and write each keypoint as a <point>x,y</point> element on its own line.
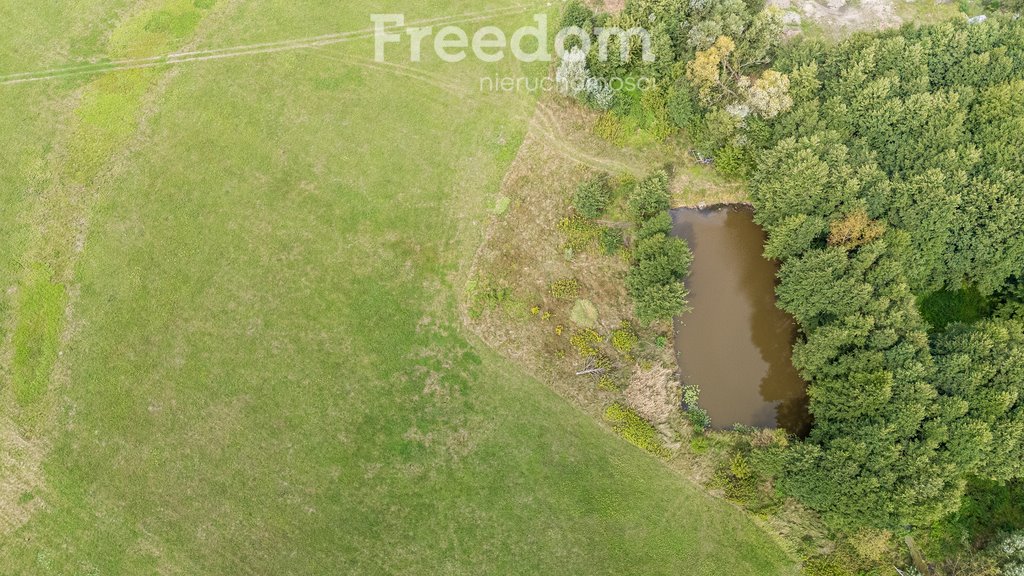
<point>736,344</point>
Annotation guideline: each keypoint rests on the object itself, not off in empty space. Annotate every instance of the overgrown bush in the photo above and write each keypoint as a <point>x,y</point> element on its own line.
<point>486,295</point>
<point>655,280</point>
<point>578,231</point>
<point>624,339</point>
<point>576,14</point>
<point>871,545</point>
<point>660,262</point>
<point>733,161</point>
<point>659,302</point>
<point>682,108</point>
<point>657,225</point>
<point>611,240</point>
<point>592,196</point>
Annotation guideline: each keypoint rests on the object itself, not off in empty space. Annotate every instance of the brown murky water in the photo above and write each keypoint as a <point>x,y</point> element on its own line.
<point>736,343</point>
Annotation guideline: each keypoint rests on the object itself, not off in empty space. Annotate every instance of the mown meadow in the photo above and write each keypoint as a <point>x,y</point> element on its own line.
<point>231,340</point>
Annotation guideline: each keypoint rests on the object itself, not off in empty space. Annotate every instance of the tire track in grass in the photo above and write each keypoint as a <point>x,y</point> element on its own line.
<point>410,72</point>
<point>174,58</point>
<point>548,128</point>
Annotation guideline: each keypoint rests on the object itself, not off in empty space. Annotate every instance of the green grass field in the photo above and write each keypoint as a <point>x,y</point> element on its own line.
<point>231,332</point>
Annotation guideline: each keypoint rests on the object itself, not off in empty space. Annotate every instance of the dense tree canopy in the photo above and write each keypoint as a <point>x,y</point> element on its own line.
<point>981,371</point>
<point>931,121</point>
<point>897,173</point>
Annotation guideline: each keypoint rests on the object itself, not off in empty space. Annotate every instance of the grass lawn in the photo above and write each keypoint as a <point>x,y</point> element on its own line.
<point>250,360</point>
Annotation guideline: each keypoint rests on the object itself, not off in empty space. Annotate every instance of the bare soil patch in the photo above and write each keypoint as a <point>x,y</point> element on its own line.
<point>838,18</point>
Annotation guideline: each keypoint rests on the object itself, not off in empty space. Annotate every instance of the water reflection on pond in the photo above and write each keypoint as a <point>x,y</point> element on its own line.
<point>736,344</point>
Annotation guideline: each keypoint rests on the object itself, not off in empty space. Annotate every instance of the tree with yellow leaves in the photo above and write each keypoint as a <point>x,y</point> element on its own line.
<point>712,72</point>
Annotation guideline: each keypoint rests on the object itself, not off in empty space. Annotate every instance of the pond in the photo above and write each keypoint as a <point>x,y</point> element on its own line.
<point>736,343</point>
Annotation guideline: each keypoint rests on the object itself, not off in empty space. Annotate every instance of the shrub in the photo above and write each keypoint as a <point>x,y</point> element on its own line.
<point>624,185</point>
<point>624,339</point>
<point>691,395</point>
<point>576,14</point>
<point>599,94</point>
<point>609,127</point>
<point>717,129</point>
<point>682,109</point>
<point>585,342</point>
<point>659,260</point>
<point>871,544</point>
<point>579,232</point>
<point>572,73</point>
<point>655,280</point>
<point>653,116</point>
<point>592,196</point>
<point>650,197</point>
<point>699,417</point>
<point>699,445</point>
<point>628,424</point>
<point>611,240</point>
<point>739,467</point>
<point>565,289</point>
<point>608,383</point>
<point>1011,553</point>
<point>491,295</point>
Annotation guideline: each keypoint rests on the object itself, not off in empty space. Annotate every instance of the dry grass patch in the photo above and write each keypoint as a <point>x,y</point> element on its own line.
<point>653,393</point>
<point>20,477</point>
